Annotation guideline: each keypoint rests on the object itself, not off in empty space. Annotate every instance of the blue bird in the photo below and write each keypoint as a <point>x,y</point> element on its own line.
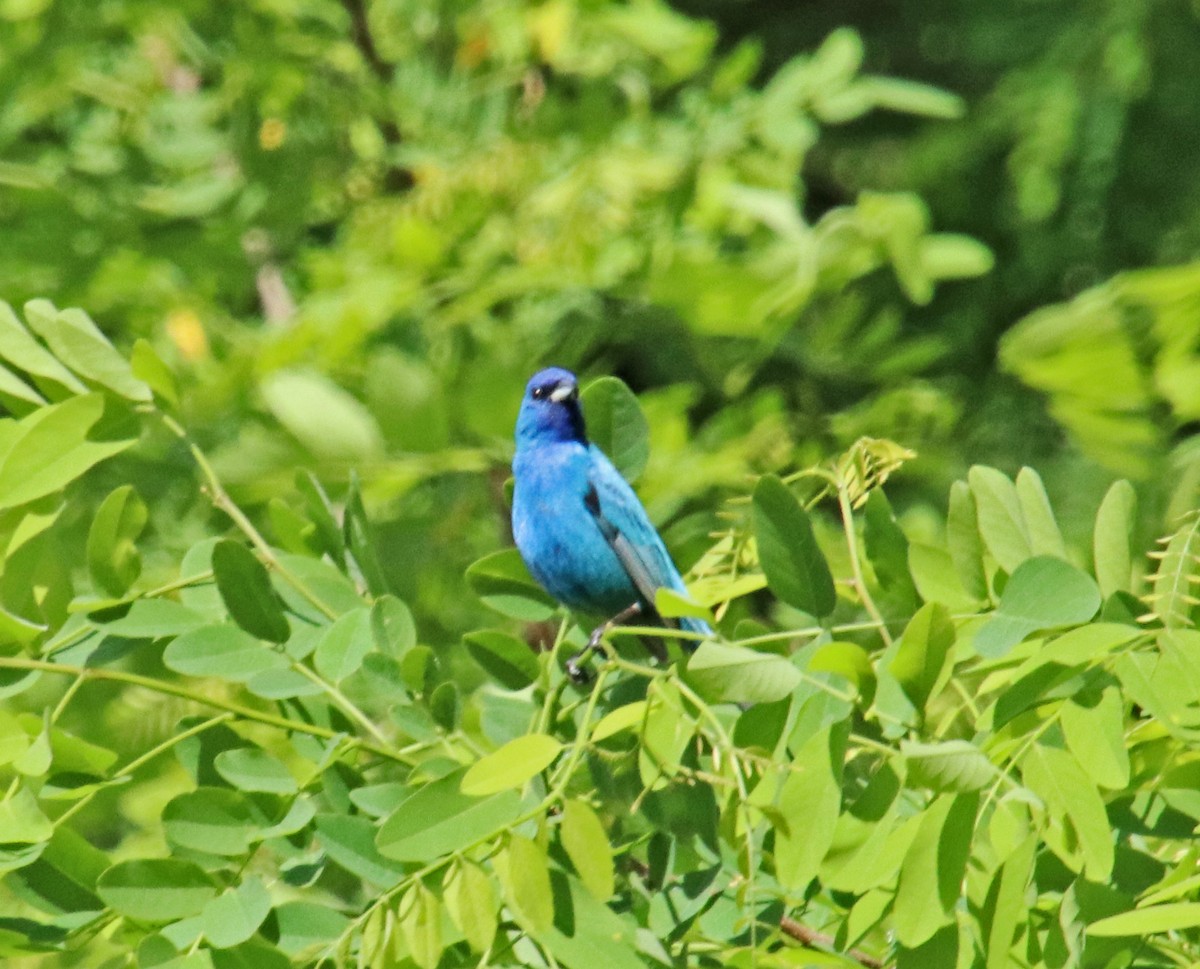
<point>580,528</point>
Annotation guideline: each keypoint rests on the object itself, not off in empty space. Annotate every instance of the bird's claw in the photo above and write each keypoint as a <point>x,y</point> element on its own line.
<point>577,671</point>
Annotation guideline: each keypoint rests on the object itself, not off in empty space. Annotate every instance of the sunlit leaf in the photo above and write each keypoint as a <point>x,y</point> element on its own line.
<point>1043,593</point>
<point>512,765</point>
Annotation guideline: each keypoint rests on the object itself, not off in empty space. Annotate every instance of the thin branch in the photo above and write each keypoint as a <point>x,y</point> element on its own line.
<point>145,758</point>
<point>174,689</point>
<point>360,33</point>
<point>806,936</point>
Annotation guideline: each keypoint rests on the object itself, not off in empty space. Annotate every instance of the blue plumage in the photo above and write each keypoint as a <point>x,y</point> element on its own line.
<point>580,528</point>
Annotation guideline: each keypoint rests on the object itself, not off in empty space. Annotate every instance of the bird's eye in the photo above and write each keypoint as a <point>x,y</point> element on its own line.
<point>539,393</point>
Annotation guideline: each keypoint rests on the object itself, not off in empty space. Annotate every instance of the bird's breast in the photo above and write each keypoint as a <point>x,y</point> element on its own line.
<point>559,539</point>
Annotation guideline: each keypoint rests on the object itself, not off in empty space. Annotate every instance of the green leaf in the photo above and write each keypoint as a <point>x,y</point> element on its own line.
<point>420,917</point>
<point>63,878</point>
<point>1111,539</point>
<point>586,933</point>
<point>222,651</point>
<point>112,556</point>
<point>1044,535</point>
<point>393,627</point>
<point>322,416</point>
<point>586,843</point>
<point>77,341</point>
<point>1172,595</point>
<point>956,766</point>
<point>235,915</point>
<point>1071,798</point>
<point>212,820</point>
<point>37,757</point>
<point>525,878</point>
<point>1001,518</point>
<point>962,537</point>
<point>246,590</point>
<point>795,569</point>
<point>1043,593</point>
<point>343,646</point>
<point>200,594</point>
<point>350,841</point>
<point>156,889</point>
<point>16,629</point>
<point>847,660</point>
<point>439,819</point>
<point>51,448</point>
<point>622,718</point>
<point>933,869</point>
<point>335,593</point>
<point>735,674</point>
<point>472,903</point>
<point>1143,922</point>
<point>616,425</point>
<point>307,928</point>
<point>321,514</point>
<point>1006,907</point>
<point>359,539</point>
<point>14,740</point>
<point>667,731</point>
<point>13,386</point>
<point>934,575</point>
<point>512,765</point>
<point>503,582</point>
<point>939,951</point>
<point>922,652</point>
<point>912,97</point>
<point>809,799</point>
<point>887,549</point>
<point>20,349</point>
<point>1094,729</point>
<point>152,370</point>
<point>22,821</point>
<point>253,769</point>
<point>510,661</point>
<point>445,705</point>
<point>673,605</point>
<point>154,619</point>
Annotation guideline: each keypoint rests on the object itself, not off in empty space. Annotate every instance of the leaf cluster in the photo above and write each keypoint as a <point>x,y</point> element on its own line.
<point>975,750</point>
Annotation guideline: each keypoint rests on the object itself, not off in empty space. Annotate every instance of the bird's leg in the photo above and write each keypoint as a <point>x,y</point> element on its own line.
<point>576,669</point>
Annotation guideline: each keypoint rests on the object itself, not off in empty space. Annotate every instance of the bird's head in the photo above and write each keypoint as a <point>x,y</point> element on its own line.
<point>550,410</point>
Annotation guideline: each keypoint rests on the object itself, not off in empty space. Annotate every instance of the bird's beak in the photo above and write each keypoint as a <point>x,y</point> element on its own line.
<point>562,392</point>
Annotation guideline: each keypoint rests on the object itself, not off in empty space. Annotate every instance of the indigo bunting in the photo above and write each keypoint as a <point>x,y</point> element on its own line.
<point>580,528</point>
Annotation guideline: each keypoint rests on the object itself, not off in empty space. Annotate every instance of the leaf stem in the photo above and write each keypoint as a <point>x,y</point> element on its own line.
<point>145,758</point>
<point>174,689</point>
<point>343,702</point>
<point>856,564</point>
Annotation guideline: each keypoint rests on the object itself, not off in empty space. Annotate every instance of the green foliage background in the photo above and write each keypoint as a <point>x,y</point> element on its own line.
<point>271,691</point>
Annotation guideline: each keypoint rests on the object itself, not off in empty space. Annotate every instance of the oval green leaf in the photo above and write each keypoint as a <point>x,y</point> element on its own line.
<point>246,590</point>
<point>792,561</point>
<point>503,582</point>
<point>156,889</point>
<point>512,765</point>
<point>1043,593</point>
<point>616,425</point>
<point>112,556</point>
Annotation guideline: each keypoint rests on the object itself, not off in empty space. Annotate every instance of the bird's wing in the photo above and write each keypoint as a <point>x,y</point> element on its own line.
<point>626,527</point>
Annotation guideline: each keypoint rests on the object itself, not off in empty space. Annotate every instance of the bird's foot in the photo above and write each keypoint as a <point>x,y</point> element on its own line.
<point>577,665</point>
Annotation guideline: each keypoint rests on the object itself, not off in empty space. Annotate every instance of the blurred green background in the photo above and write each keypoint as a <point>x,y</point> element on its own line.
<point>355,228</point>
